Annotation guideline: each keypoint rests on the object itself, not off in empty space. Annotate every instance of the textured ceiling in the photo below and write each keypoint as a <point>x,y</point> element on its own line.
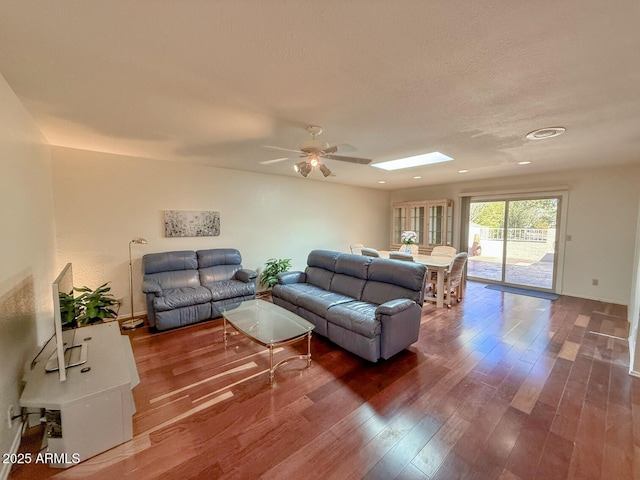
<point>211,82</point>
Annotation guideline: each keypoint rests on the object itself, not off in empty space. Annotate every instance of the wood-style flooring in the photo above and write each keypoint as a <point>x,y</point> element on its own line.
<point>500,386</point>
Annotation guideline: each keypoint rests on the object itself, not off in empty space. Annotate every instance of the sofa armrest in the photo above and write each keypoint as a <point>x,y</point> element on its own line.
<point>246,275</point>
<point>286,278</point>
<point>392,307</point>
<point>400,322</point>
<point>151,286</point>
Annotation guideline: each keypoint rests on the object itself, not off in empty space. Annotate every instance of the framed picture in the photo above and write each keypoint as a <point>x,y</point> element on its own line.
<point>185,223</point>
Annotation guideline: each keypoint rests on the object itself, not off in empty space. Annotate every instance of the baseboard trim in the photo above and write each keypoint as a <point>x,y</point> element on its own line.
<point>589,297</point>
<point>5,468</point>
<point>127,316</point>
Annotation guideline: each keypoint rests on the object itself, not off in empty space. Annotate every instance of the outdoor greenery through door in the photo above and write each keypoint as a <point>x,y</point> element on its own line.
<point>514,241</point>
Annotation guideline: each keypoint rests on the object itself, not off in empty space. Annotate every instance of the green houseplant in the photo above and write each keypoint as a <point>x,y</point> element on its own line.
<point>69,311</point>
<point>273,267</point>
<point>94,306</point>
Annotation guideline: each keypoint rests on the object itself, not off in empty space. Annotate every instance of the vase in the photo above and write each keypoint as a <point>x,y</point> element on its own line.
<point>407,248</point>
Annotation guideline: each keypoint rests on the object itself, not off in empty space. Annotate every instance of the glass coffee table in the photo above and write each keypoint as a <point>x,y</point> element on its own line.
<point>269,325</point>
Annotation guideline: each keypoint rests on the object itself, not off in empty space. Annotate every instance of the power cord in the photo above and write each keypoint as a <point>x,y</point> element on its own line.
<point>33,362</point>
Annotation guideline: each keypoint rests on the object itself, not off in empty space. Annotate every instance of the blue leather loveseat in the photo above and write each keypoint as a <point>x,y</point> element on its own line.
<point>368,306</point>
<point>187,286</point>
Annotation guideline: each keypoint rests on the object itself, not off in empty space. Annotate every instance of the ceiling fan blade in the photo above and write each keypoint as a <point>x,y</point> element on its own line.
<point>280,148</point>
<point>332,149</point>
<point>269,162</point>
<point>361,161</point>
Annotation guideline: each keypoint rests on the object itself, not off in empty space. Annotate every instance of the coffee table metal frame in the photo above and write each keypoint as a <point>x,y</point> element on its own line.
<point>299,329</point>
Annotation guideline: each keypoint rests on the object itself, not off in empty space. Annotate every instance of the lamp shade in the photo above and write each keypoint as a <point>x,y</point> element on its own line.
<point>325,170</point>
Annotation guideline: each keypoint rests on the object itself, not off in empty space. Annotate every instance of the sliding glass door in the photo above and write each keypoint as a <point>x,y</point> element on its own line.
<point>513,241</point>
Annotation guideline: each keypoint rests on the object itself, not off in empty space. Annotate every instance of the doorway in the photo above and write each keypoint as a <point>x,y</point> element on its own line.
<point>513,241</point>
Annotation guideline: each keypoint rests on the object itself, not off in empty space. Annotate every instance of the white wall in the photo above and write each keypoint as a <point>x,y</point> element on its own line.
<point>102,201</point>
<point>602,218</point>
<point>26,251</point>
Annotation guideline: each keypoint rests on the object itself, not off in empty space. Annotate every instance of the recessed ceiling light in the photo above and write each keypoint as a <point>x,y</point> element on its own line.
<point>417,177</point>
<point>526,162</point>
<point>415,161</point>
<point>463,171</point>
<point>382,181</point>
<point>548,132</point>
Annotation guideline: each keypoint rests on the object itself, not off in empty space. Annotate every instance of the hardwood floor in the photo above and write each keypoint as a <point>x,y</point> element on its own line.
<point>500,386</point>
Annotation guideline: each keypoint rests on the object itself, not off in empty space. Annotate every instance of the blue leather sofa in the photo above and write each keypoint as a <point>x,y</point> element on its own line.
<point>368,306</point>
<point>187,286</point>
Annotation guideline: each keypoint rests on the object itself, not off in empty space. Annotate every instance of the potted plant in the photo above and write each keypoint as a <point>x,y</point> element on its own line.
<point>95,305</point>
<point>69,311</point>
<point>273,267</point>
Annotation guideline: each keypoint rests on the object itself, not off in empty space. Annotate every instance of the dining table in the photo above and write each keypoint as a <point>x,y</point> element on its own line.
<point>433,262</point>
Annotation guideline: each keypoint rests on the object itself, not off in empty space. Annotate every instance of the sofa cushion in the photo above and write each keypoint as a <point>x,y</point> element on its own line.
<point>351,275</point>
<point>410,275</point>
<point>359,317</point>
<point>324,259</point>
<point>291,292</point>
<point>175,279</point>
<point>169,261</point>
<point>218,264</point>
<point>391,279</point>
<point>321,266</point>
<point>218,273</point>
<point>225,289</point>
<point>320,301</point>
<point>319,277</point>
<point>353,265</point>
<point>181,297</point>
<point>218,256</point>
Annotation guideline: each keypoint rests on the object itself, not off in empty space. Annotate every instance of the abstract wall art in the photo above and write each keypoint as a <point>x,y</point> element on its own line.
<point>185,223</point>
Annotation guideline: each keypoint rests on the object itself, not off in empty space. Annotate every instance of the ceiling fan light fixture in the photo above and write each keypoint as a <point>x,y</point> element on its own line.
<point>313,160</point>
<point>325,170</point>
<point>299,166</point>
<point>304,168</point>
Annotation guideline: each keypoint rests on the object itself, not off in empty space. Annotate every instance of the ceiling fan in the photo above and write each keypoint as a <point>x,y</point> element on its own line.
<point>315,149</point>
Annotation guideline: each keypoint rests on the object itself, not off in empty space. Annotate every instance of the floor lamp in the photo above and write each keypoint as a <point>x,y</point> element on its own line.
<point>133,322</point>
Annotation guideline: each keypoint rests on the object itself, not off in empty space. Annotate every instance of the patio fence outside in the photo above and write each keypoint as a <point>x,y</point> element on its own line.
<point>530,255</point>
<point>537,235</point>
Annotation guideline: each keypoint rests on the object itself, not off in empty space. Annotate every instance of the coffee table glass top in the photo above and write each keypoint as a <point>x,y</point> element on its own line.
<point>266,323</point>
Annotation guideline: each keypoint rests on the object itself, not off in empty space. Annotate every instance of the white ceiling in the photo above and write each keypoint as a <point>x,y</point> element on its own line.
<point>211,82</point>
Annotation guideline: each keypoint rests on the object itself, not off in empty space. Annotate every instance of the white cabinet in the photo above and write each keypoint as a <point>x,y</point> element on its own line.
<point>432,220</point>
<point>91,411</point>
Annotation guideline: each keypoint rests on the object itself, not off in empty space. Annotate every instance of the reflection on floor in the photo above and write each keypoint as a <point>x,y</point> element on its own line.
<point>499,386</point>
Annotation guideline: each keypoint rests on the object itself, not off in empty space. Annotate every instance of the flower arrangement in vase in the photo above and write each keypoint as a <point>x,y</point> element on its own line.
<point>408,237</point>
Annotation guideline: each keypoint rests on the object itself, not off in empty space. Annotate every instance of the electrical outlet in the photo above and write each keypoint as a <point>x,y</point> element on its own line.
<point>594,282</point>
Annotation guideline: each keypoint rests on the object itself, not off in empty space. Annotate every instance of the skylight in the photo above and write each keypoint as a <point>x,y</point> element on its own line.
<point>415,161</point>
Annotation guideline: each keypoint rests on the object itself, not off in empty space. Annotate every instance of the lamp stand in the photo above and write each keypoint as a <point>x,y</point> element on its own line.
<point>133,322</point>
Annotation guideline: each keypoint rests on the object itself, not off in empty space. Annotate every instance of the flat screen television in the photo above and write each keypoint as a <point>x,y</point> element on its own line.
<point>67,353</point>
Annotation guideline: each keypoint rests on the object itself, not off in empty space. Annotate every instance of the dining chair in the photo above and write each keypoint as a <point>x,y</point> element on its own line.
<point>356,248</point>
<point>454,278</point>
<point>440,251</point>
<point>407,257</point>
<point>414,249</point>
<point>370,252</point>
<point>443,251</point>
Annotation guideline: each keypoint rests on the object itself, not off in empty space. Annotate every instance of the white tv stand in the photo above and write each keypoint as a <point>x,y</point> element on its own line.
<point>91,411</point>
